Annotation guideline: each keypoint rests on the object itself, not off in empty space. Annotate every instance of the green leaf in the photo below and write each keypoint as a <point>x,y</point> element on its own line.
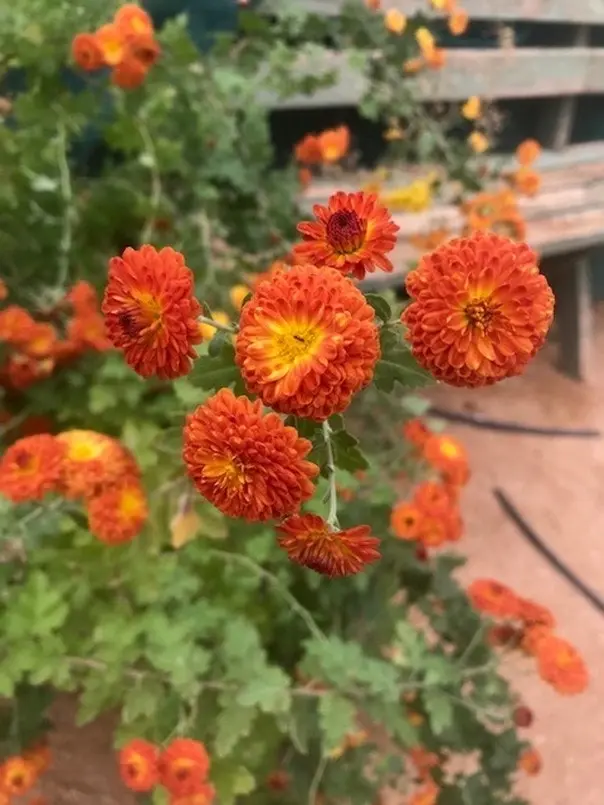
<point>269,691</point>
<point>380,305</point>
<point>219,371</point>
<point>397,364</point>
<point>220,340</point>
<point>347,455</point>
<point>439,709</point>
<point>337,719</point>
<point>233,723</point>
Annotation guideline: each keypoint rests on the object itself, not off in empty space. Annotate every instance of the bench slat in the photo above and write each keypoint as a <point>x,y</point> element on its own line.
<point>489,73</point>
<point>565,11</point>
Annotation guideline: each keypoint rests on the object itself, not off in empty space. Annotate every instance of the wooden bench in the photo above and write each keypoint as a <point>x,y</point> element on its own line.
<point>565,222</point>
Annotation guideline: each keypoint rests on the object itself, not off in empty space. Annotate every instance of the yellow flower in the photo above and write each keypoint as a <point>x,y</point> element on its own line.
<point>425,40</point>
<point>207,331</point>
<point>237,294</point>
<point>478,142</point>
<point>415,197</point>
<point>472,108</point>
<point>395,21</point>
<point>394,133</point>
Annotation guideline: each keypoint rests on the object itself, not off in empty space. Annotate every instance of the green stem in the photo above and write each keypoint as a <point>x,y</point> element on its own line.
<point>294,604</point>
<point>224,327</point>
<point>332,515</point>
<point>67,199</point>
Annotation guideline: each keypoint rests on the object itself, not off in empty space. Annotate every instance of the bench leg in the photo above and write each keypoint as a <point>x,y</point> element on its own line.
<point>574,316</point>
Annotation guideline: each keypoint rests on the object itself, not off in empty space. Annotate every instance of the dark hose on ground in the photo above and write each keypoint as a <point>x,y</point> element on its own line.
<point>478,421</point>
<point>539,545</point>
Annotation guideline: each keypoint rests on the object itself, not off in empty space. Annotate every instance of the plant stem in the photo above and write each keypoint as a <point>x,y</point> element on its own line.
<point>293,602</point>
<point>313,791</point>
<point>332,515</point>
<point>67,198</point>
<point>156,188</point>
<point>224,327</point>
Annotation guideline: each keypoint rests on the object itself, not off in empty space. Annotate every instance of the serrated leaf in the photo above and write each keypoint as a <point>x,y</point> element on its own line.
<point>215,372</point>
<point>220,340</point>
<point>439,709</point>
<point>233,723</point>
<point>269,691</point>
<point>399,366</point>
<point>380,305</point>
<point>347,455</point>
<point>337,719</point>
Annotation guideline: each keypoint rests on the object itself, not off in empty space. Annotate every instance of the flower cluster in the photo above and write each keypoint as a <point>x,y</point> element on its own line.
<point>480,309</point>
<point>80,465</point>
<point>35,347</point>
<point>127,45</point>
<point>494,211</point>
<point>181,769</point>
<point>525,179</point>
<point>20,773</point>
<point>307,342</point>
<point>326,148</point>
<point>530,625</point>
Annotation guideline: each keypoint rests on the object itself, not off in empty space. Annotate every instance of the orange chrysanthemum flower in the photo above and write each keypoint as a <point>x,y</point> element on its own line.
<point>530,762</point>
<point>416,432</point>
<point>112,44</point>
<point>311,542</point>
<point>334,144</point>
<point>118,514</point>
<point>205,795</point>
<point>3,290</point>
<point>138,764</point>
<point>438,528</point>
<point>130,73</point>
<point>308,150</point>
<point>395,21</point>
<point>494,598</point>
<point>484,210</point>
<point>561,665</point>
<point>534,614</point>
<point>447,455</point>
<point>531,637</point>
<point>458,22</point>
<point>20,371</point>
<point>405,521</point>
<point>353,233</point>
<point>248,464</point>
<point>87,331</point>
<point>17,776</point>
<point>526,181</point>
<point>480,310</point>
<point>31,467</point>
<point>132,20</point>
<point>528,152</point>
<point>427,795</point>
<point>424,761</point>
<point>93,462</point>
<point>433,498</point>
<point>16,326</point>
<point>307,342</point>
<point>183,767</point>
<point>150,311</point>
<point>82,297</point>
<point>41,341</point>
<point>86,52</point>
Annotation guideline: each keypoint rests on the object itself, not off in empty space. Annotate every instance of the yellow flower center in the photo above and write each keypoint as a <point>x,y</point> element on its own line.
<point>346,232</point>
<point>85,451</point>
<point>449,449</point>
<point>131,503</point>
<point>479,313</point>
<point>225,471</point>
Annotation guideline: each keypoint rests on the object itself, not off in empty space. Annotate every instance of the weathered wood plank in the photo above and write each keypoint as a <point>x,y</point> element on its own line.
<point>489,73</point>
<point>590,12</point>
<point>570,278</point>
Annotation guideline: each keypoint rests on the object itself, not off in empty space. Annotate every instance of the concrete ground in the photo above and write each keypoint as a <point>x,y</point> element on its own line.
<point>558,486</point>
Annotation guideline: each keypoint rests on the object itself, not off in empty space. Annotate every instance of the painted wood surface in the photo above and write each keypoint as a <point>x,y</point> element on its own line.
<point>565,217</point>
<point>572,11</point>
<point>489,73</point>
